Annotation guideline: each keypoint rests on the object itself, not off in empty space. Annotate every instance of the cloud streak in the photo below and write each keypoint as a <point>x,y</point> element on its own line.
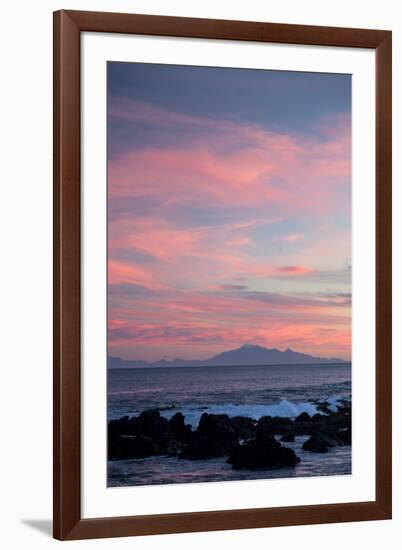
<point>227,230</point>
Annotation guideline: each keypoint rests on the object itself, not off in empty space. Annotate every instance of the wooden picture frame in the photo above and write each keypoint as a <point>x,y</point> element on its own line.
<point>68,523</point>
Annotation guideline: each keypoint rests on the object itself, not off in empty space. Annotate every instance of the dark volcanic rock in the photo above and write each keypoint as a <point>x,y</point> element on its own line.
<point>151,434</point>
<point>320,423</point>
<point>323,406</point>
<point>336,421</point>
<point>317,417</point>
<point>281,425</point>
<point>345,407</point>
<point>146,435</point>
<point>265,451</point>
<point>276,424</point>
<point>216,425</point>
<point>345,436</point>
<point>330,439</point>
<point>244,427</point>
<point>131,446</point>
<point>118,427</point>
<point>215,436</point>
<point>329,431</point>
<point>177,426</point>
<point>303,417</point>
<point>200,447</point>
<point>288,437</point>
<point>150,423</point>
<point>315,445</point>
<point>254,456</point>
<point>265,431</point>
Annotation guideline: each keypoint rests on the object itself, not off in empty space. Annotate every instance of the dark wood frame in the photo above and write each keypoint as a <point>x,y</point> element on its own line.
<point>68,523</point>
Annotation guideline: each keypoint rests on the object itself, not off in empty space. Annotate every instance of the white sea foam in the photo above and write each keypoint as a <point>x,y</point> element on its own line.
<point>284,408</point>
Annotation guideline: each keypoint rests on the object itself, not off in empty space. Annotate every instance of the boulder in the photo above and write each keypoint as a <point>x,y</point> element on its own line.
<point>254,456</point>
<point>315,445</point>
<point>288,437</point>
<point>281,425</point>
<point>303,417</point>
<point>317,417</point>
<point>276,424</point>
<point>216,425</point>
<point>150,434</point>
<point>323,406</point>
<point>345,436</point>
<point>244,427</point>
<point>150,423</point>
<point>118,427</point>
<point>345,407</point>
<point>320,423</point>
<point>131,446</point>
<point>177,426</point>
<point>201,447</point>
<point>336,421</point>
<point>330,439</point>
<point>265,432</point>
<point>215,437</point>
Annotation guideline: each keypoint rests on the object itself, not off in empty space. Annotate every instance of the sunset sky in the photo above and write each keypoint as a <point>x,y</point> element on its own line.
<point>229,211</point>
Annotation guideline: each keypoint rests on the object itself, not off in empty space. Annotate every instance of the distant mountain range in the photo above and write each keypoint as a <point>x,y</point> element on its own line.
<point>248,354</point>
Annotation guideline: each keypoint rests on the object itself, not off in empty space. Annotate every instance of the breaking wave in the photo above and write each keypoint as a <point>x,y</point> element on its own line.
<point>283,408</point>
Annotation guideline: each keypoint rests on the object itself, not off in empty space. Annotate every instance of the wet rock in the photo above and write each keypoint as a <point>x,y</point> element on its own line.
<point>266,418</point>
<point>254,456</point>
<point>288,437</point>
<point>276,424</point>
<point>122,426</point>
<point>147,434</point>
<point>337,421</point>
<point>345,407</point>
<point>330,439</point>
<point>345,436</point>
<point>323,406</point>
<point>150,423</point>
<point>215,437</point>
<point>216,425</point>
<point>265,432</point>
<point>320,423</point>
<point>315,445</point>
<point>201,447</point>
<point>281,425</point>
<point>317,417</point>
<point>131,446</point>
<point>177,425</point>
<point>244,427</point>
<point>303,417</point>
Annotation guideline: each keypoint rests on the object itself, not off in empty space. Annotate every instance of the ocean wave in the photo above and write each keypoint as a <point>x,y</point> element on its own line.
<point>283,408</point>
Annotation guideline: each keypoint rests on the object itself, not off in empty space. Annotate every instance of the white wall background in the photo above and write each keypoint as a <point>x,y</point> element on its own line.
<point>26,271</point>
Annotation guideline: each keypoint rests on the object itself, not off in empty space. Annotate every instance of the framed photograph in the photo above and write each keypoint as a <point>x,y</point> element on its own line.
<point>222,270</point>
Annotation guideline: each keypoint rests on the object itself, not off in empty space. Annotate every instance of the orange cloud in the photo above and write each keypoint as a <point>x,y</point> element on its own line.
<point>294,270</point>
<point>171,268</point>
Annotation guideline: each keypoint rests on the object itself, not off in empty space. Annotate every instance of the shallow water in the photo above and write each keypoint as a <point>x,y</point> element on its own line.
<point>162,470</point>
<point>252,391</point>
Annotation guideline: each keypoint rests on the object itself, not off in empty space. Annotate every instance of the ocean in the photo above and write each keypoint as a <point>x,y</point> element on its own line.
<point>253,391</point>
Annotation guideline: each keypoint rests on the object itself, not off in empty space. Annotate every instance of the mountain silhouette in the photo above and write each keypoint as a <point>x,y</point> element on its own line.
<point>247,354</point>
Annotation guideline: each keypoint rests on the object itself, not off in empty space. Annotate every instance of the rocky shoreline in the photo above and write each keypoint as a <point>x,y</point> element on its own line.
<point>247,443</point>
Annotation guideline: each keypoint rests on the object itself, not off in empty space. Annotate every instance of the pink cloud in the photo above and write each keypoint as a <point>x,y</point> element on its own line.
<point>181,271</point>
<point>207,340</point>
<point>294,270</point>
<point>293,238</point>
<point>122,272</point>
<point>206,172</point>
